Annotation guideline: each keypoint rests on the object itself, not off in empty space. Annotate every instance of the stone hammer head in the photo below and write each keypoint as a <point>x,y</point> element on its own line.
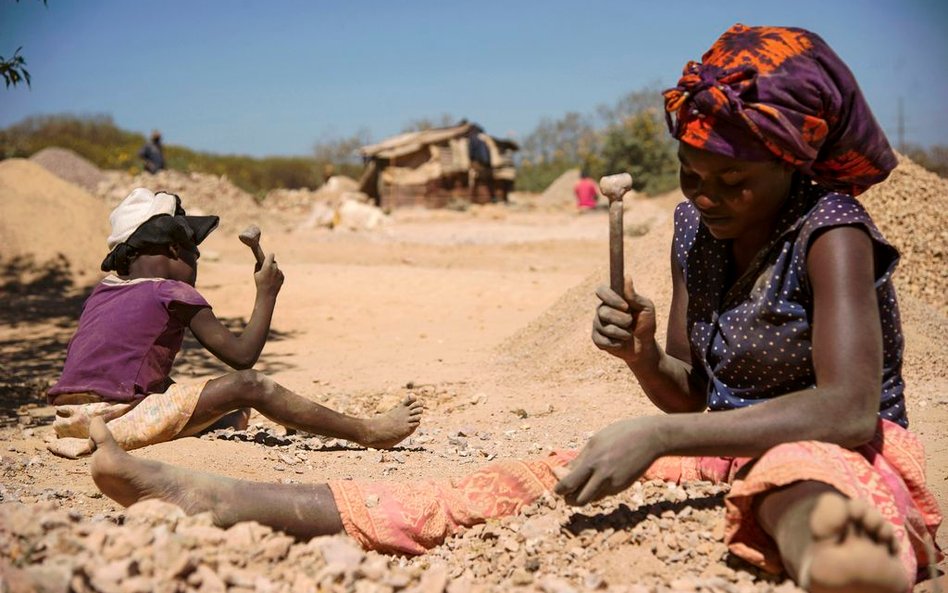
<point>615,186</point>
<point>250,237</point>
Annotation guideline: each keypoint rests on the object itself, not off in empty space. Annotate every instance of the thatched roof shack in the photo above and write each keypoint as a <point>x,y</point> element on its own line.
<point>437,166</point>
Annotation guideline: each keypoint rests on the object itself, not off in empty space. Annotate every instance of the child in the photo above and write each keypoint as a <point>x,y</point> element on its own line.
<point>783,322</point>
<point>118,363</point>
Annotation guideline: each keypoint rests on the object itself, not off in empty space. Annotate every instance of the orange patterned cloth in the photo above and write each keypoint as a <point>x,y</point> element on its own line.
<point>156,418</point>
<point>412,517</point>
<point>889,473</point>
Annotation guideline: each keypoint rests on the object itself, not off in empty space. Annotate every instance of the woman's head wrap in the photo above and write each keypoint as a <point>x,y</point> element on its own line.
<point>766,92</point>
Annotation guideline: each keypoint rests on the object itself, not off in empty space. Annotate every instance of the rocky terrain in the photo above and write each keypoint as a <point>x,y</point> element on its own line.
<point>484,316</point>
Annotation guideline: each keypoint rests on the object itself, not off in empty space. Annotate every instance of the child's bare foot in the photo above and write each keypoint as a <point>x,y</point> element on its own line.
<point>127,479</point>
<point>70,447</point>
<point>388,429</point>
<point>852,550</point>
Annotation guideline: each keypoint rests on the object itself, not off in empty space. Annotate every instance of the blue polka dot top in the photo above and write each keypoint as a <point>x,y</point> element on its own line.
<point>754,339</point>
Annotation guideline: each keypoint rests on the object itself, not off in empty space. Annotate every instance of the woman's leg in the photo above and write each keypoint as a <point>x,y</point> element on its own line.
<point>302,510</point>
<point>831,543</point>
<point>251,389</point>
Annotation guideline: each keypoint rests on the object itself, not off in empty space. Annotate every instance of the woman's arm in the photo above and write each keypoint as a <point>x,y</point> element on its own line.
<point>241,352</point>
<point>847,361</point>
<point>841,409</point>
<point>626,329</point>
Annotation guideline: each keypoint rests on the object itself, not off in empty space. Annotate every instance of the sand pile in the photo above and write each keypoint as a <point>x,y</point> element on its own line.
<point>559,194</point>
<point>557,345</point>
<point>48,223</point>
<point>200,194</point>
<point>68,165</point>
<point>911,210</point>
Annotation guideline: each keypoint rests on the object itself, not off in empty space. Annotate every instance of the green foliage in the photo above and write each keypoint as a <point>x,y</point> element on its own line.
<point>95,137</point>
<point>934,158</point>
<point>536,177</point>
<point>639,146</point>
<point>629,136</point>
<point>14,69</point>
<point>107,146</point>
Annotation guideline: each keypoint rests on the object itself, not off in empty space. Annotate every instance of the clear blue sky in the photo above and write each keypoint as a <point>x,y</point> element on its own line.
<point>274,77</point>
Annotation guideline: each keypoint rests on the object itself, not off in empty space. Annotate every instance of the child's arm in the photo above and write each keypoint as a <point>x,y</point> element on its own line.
<point>842,409</point>
<point>242,352</point>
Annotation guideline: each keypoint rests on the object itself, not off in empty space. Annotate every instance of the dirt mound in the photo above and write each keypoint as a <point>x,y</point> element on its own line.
<point>200,194</point>
<point>910,208</point>
<point>557,345</point>
<point>559,194</point>
<point>49,224</point>
<point>68,165</point>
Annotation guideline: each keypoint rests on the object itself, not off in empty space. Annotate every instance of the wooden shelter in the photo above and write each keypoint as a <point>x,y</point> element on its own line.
<point>437,166</point>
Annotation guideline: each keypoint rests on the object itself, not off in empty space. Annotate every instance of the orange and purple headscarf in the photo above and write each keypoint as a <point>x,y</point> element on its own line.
<point>766,92</point>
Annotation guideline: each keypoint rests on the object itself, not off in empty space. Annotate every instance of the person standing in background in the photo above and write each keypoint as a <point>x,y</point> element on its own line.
<point>152,154</point>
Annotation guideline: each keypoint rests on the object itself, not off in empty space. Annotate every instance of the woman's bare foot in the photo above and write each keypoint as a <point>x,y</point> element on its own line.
<point>387,430</point>
<point>127,479</point>
<point>852,549</point>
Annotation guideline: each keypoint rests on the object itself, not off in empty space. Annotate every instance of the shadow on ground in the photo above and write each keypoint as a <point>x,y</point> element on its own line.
<point>39,310</point>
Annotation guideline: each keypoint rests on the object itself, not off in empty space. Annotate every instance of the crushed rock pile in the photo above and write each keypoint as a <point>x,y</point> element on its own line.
<point>337,204</point>
<point>48,223</point>
<point>651,537</point>
<point>68,165</point>
<point>299,202</point>
<point>911,210</point>
<point>200,194</point>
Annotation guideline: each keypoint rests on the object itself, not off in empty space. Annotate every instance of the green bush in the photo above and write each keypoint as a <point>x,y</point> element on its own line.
<point>99,140</point>
<point>640,146</point>
<point>536,177</point>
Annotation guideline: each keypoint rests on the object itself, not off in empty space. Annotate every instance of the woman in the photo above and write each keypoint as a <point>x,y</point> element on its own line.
<point>783,322</point>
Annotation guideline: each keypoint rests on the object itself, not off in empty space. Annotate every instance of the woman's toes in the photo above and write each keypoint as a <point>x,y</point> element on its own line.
<point>830,516</point>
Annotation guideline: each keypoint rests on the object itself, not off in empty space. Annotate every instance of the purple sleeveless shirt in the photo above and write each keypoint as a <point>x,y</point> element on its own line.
<point>127,339</point>
<point>753,340</point>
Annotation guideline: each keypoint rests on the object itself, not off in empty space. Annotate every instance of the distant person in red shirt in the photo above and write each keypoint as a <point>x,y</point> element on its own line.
<point>587,194</point>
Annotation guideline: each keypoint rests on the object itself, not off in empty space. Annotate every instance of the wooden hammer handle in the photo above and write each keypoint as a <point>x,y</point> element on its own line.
<point>616,252</point>
<point>615,187</point>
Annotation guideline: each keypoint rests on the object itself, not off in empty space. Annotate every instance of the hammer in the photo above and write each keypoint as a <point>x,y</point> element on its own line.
<point>615,187</point>
<point>250,237</point>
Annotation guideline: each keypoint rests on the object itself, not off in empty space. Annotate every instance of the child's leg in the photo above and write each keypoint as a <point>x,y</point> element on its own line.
<point>829,542</point>
<point>302,510</point>
<point>251,389</point>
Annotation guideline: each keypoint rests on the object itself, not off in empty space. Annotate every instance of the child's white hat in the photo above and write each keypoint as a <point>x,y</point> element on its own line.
<point>136,209</point>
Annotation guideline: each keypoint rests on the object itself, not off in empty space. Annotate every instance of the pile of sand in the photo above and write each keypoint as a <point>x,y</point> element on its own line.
<point>557,345</point>
<point>68,165</point>
<point>49,223</point>
<point>200,194</point>
<point>559,194</point>
<point>911,209</point>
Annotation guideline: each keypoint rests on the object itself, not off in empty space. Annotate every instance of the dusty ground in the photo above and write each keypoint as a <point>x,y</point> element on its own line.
<point>485,316</point>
